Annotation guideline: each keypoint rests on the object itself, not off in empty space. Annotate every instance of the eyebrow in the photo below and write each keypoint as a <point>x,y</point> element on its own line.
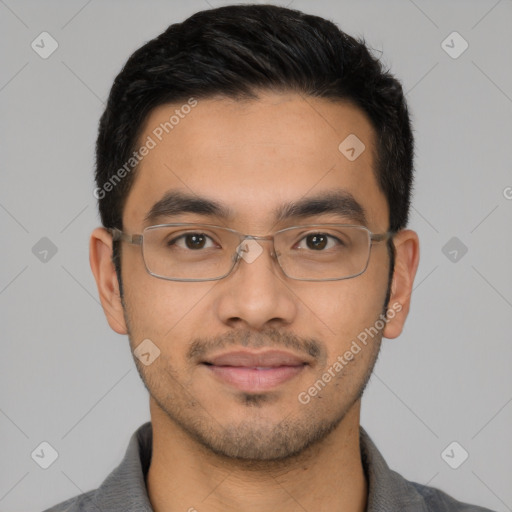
<point>336,202</point>
<point>176,203</point>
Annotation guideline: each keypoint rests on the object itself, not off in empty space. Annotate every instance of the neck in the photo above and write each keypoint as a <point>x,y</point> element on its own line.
<point>185,476</point>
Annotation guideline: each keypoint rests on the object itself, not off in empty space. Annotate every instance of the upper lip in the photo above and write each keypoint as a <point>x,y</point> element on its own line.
<point>267,359</point>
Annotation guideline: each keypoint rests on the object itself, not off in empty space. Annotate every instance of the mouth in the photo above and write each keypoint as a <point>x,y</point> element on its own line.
<point>255,372</point>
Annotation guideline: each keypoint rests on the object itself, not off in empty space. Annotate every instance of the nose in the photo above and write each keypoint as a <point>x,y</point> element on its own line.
<point>255,295</point>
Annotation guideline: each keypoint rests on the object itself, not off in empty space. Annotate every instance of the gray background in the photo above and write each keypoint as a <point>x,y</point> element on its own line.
<point>67,379</point>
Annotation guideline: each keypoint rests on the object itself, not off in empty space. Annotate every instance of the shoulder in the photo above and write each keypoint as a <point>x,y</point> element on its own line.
<point>390,491</point>
<point>438,501</point>
<point>81,503</point>
<point>125,484</point>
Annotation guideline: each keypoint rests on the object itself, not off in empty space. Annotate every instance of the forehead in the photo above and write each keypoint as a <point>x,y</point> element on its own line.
<point>255,155</point>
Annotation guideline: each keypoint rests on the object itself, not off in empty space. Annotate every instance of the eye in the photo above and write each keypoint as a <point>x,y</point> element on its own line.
<point>318,242</point>
<point>193,241</point>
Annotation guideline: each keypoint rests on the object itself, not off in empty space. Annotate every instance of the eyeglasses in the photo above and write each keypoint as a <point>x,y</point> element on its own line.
<point>202,252</point>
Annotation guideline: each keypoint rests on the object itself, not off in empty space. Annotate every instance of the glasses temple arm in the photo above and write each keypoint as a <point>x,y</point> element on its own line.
<point>382,236</point>
<point>118,235</point>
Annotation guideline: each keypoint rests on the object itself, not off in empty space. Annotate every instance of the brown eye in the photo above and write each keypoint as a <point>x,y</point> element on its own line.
<point>195,241</point>
<point>317,241</point>
<point>192,241</point>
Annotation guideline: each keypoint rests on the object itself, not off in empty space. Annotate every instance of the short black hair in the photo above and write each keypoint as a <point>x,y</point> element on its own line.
<point>236,51</point>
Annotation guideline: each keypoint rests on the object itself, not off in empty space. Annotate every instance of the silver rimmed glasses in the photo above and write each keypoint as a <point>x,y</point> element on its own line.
<point>203,252</point>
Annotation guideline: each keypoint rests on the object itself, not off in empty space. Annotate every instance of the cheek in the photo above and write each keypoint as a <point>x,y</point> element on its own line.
<point>157,308</point>
<point>350,307</point>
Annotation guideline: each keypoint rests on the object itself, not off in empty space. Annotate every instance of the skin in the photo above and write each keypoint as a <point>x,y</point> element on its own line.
<point>216,448</point>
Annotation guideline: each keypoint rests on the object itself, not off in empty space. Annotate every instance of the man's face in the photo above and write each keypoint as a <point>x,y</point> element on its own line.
<point>253,157</point>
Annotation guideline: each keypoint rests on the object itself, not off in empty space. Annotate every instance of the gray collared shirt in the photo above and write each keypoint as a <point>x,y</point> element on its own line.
<point>124,490</point>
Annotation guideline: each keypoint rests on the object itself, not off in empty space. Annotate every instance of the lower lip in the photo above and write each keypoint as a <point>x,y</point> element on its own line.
<point>254,380</point>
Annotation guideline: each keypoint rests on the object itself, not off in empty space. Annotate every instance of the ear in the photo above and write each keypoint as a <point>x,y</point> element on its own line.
<point>407,257</point>
<point>100,258</point>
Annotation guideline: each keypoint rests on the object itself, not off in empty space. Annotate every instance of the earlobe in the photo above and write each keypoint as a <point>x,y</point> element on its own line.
<point>407,253</point>
<point>100,258</point>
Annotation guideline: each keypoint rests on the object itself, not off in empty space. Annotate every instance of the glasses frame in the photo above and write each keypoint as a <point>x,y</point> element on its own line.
<point>138,239</point>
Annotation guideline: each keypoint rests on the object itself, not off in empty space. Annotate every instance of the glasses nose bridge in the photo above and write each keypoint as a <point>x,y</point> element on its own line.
<point>267,238</point>
<point>258,238</point>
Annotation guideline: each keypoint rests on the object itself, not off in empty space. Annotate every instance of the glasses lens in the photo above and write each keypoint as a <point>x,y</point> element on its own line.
<point>200,252</point>
<point>323,252</point>
<point>191,252</point>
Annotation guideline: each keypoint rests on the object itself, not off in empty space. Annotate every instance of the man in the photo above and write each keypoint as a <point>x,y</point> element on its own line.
<point>254,169</point>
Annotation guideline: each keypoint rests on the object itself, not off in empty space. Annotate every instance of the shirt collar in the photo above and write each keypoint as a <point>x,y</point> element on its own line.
<point>387,490</point>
